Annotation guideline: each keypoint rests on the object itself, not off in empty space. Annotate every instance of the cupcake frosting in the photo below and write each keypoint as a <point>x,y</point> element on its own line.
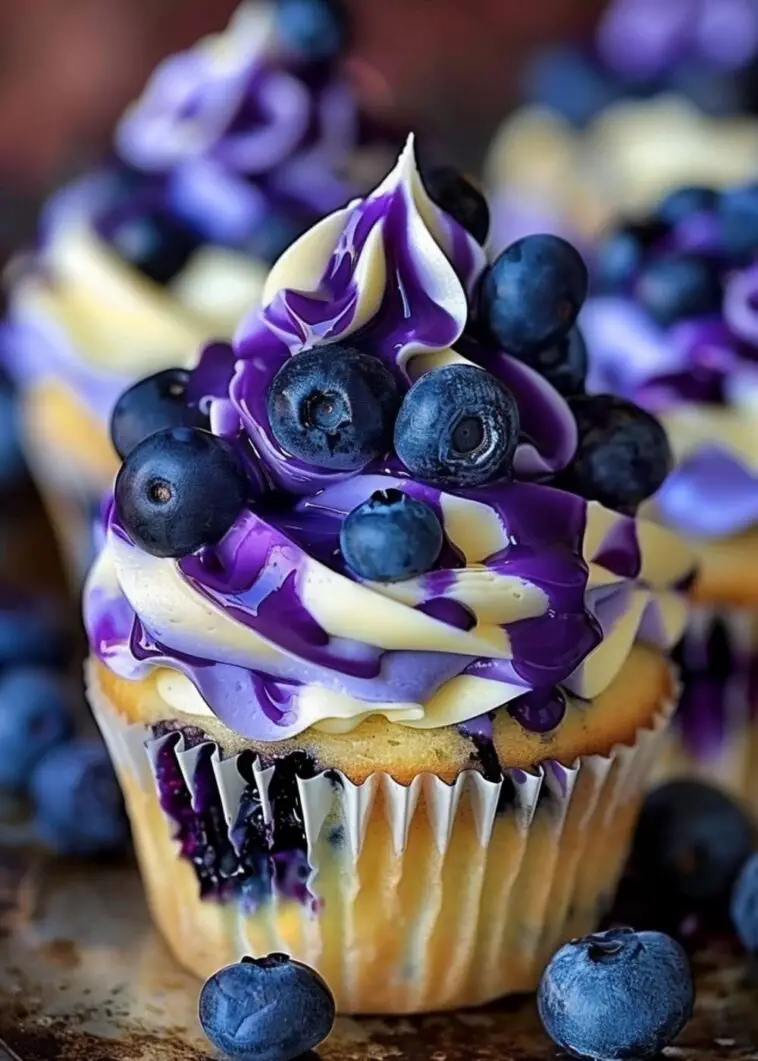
<point>699,376</point>
<point>235,147</point>
<point>536,592</point>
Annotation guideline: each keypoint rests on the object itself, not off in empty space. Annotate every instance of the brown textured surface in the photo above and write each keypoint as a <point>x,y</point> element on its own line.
<point>83,977</point>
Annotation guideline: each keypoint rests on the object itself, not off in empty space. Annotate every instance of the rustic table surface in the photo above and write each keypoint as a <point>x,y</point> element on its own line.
<point>84,976</point>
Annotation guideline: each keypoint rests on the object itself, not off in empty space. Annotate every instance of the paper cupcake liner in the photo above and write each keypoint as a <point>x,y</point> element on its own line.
<point>714,735</point>
<point>421,897</point>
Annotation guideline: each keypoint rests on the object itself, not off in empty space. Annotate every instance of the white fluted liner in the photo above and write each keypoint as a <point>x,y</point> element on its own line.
<point>435,899</point>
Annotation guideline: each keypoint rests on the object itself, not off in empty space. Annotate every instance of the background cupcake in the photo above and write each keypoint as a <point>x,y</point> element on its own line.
<point>379,696</point>
<point>235,147</point>
<point>676,330</point>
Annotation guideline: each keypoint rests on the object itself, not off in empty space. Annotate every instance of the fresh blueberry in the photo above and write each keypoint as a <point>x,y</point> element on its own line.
<point>564,365</point>
<point>316,29</point>
<point>457,196</point>
<point>738,213</point>
<point>178,490</point>
<point>266,1009</point>
<point>34,719</point>
<point>156,243</point>
<point>531,295</point>
<point>457,425</point>
<point>391,537</point>
<point>691,843</point>
<point>79,809</point>
<point>622,456</point>
<point>621,254</point>
<point>31,632</point>
<point>333,407</point>
<point>679,285</point>
<point>568,82</point>
<point>744,905</point>
<point>616,995</point>
<point>155,403</point>
<point>683,202</point>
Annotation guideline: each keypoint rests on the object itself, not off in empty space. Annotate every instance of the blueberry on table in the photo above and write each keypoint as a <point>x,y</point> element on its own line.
<point>564,365</point>
<point>266,1009</point>
<point>683,202</point>
<point>391,537</point>
<point>315,29</point>
<point>679,285</point>
<point>616,995</point>
<point>738,215</point>
<point>78,805</point>
<point>531,295</point>
<point>621,254</point>
<point>622,456</point>
<point>691,844</point>
<point>152,404</point>
<point>457,196</point>
<point>457,425</point>
<point>744,905</point>
<point>333,407</point>
<point>156,243</point>
<point>179,490</point>
<point>34,719</point>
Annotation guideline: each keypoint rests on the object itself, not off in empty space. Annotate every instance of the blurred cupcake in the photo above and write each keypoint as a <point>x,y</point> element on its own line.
<point>235,148</point>
<point>676,330</point>
<point>381,689</point>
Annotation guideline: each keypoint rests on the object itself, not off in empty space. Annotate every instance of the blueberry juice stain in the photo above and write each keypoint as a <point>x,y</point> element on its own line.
<point>251,860</point>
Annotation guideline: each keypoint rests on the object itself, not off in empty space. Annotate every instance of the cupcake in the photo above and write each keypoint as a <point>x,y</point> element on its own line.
<point>235,148</point>
<point>675,329</point>
<point>381,687</point>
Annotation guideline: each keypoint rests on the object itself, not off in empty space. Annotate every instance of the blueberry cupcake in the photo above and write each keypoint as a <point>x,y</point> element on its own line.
<point>381,686</point>
<point>674,328</point>
<point>235,148</point>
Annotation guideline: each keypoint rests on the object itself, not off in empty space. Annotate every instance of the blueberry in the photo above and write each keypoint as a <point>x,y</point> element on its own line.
<point>79,809</point>
<point>457,425</point>
<point>34,718</point>
<point>266,1009</point>
<point>457,196</point>
<point>683,202</point>
<point>156,243</point>
<point>390,537</point>
<point>744,905</point>
<point>691,843</point>
<point>622,456</point>
<point>333,407</point>
<point>12,464</point>
<point>151,405</point>
<point>316,29</point>
<point>531,295</point>
<point>621,254</point>
<point>564,365</point>
<point>616,995</point>
<point>679,285</point>
<point>738,213</point>
<point>178,490</point>
<point>568,82</point>
<point>31,633</point>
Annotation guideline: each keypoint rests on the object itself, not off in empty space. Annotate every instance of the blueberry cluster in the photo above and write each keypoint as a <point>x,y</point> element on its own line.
<point>76,798</point>
<point>674,263</point>
<point>337,407</point>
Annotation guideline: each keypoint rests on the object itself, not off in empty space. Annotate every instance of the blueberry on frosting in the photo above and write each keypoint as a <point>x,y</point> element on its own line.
<point>458,425</point>
<point>390,537</point>
<point>178,490</point>
<point>532,294</point>
<point>153,404</point>
<point>157,243</point>
<point>333,407</point>
<point>623,455</point>
<point>457,196</point>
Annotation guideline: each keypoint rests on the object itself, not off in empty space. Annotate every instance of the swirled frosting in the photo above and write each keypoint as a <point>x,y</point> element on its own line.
<point>238,146</point>
<point>700,377</point>
<point>535,589</point>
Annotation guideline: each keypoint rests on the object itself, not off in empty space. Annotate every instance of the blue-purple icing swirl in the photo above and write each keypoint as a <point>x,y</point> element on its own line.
<point>700,376</point>
<point>270,632</point>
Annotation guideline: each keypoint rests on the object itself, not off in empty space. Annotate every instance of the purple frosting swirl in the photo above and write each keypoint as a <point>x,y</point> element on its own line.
<point>261,575</point>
